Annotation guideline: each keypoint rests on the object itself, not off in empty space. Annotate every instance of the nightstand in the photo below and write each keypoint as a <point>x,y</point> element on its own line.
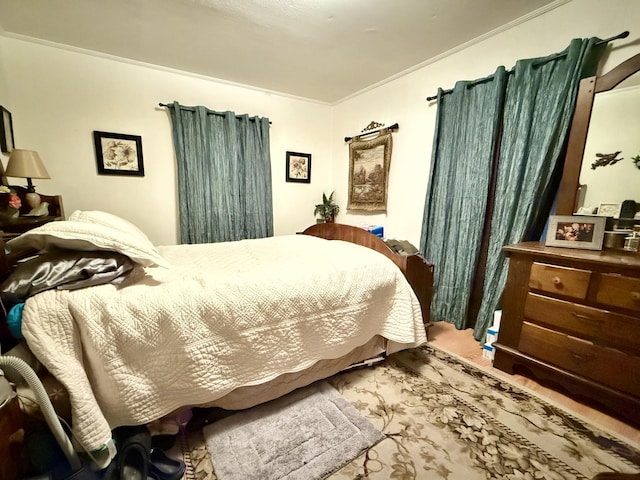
<point>12,227</point>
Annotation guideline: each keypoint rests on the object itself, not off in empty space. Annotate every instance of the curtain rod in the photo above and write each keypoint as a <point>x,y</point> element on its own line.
<point>391,128</point>
<point>192,109</point>
<point>624,34</point>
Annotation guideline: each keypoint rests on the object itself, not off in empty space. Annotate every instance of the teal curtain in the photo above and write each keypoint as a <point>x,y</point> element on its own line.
<point>467,128</point>
<point>539,105</point>
<point>224,175</point>
<point>504,133</point>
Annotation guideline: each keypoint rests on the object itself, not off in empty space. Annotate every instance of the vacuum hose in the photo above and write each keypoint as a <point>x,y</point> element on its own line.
<point>48,411</point>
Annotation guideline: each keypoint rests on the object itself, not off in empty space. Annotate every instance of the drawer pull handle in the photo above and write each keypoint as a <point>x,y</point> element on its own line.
<point>556,281</point>
<point>581,358</point>
<point>635,296</point>
<point>587,319</point>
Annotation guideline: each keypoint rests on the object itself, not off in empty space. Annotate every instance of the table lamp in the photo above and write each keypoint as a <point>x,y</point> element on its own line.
<point>27,164</point>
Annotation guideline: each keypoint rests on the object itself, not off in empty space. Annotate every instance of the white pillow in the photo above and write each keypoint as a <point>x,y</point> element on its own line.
<point>87,236</point>
<point>109,220</point>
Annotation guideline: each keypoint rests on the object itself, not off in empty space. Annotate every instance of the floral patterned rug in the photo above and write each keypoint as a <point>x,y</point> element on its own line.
<point>444,418</point>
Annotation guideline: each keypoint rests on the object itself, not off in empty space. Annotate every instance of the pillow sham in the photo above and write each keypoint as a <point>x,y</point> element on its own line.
<point>66,270</point>
<point>109,220</point>
<point>85,236</point>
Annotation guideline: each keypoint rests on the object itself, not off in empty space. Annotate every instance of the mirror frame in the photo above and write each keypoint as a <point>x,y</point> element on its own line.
<point>568,190</point>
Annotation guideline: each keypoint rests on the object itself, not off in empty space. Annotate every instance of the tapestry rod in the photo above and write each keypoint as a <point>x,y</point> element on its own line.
<point>624,34</point>
<point>191,109</point>
<point>391,128</point>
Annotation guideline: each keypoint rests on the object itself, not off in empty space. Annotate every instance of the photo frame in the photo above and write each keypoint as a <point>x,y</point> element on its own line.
<point>610,209</point>
<point>118,154</point>
<point>578,231</point>
<point>7,142</point>
<point>298,167</point>
<point>369,162</point>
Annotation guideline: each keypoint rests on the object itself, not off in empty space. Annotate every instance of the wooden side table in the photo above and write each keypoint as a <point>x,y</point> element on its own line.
<point>12,227</point>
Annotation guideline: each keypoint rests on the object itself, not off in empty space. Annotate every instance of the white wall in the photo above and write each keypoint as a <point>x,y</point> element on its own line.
<point>404,100</point>
<point>4,94</point>
<point>58,97</point>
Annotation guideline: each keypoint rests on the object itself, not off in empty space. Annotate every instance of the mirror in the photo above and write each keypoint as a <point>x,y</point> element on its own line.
<point>613,134</point>
<point>569,194</point>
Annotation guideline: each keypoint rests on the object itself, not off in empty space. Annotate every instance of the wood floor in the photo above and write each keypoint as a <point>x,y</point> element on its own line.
<point>461,343</point>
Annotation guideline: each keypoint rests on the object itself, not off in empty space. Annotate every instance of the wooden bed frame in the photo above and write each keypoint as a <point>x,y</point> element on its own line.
<point>417,270</point>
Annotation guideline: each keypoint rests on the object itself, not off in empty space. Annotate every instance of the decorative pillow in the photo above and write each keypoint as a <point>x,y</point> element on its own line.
<point>66,270</point>
<point>85,236</point>
<point>109,220</point>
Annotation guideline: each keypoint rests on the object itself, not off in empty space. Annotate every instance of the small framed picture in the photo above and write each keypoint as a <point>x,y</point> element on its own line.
<point>118,154</point>
<point>6,131</point>
<point>580,231</point>
<point>298,167</point>
<point>609,210</point>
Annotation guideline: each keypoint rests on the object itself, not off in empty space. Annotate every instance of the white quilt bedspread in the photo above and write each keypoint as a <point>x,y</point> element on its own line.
<point>223,316</point>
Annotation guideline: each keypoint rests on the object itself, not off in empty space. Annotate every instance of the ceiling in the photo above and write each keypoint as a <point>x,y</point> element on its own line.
<point>325,50</point>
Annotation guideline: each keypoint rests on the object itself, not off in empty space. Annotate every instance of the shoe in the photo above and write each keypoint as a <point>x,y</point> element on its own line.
<point>163,442</point>
<point>134,447</point>
<point>163,467</point>
<point>83,473</point>
<point>133,463</point>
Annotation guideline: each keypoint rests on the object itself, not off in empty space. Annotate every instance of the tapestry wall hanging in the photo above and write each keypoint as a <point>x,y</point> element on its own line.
<point>369,162</point>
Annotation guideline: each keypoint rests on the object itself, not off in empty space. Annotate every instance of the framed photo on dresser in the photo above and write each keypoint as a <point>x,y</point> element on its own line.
<point>577,231</point>
<point>610,209</point>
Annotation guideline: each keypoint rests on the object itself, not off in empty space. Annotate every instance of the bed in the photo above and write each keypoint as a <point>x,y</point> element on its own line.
<point>231,324</point>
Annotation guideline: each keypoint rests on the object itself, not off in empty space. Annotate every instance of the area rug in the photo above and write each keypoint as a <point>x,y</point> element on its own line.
<point>444,418</point>
<point>305,435</point>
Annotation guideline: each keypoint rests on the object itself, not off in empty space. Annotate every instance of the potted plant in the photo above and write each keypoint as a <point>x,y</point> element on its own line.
<point>327,210</point>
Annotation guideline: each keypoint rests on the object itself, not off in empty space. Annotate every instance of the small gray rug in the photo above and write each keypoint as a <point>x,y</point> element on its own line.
<point>305,435</point>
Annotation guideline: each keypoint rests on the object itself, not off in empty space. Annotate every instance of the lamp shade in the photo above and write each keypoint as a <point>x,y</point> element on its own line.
<point>25,164</point>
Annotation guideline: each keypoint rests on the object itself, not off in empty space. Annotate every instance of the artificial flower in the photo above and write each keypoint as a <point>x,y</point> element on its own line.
<point>14,201</point>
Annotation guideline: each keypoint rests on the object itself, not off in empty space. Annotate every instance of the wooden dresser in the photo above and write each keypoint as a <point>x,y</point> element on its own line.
<point>572,318</point>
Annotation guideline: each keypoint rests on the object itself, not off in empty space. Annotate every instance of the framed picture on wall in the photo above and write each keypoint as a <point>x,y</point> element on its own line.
<point>579,231</point>
<point>6,131</point>
<point>118,154</point>
<point>298,167</point>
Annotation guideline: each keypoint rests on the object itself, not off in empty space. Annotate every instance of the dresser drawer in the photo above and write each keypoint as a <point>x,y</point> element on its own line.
<point>619,291</point>
<point>568,282</point>
<point>601,326</point>
<point>604,365</point>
